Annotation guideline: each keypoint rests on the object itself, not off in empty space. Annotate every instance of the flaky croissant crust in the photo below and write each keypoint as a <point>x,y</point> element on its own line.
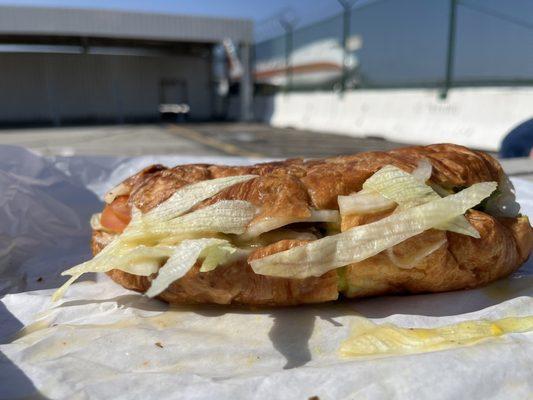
<point>294,187</point>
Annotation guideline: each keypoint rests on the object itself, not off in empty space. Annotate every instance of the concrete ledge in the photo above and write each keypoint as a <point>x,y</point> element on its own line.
<point>475,117</point>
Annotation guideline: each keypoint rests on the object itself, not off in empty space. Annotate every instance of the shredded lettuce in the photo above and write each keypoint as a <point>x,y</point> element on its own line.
<point>364,202</point>
<point>423,170</point>
<point>95,222</point>
<point>217,255</point>
<point>409,190</point>
<point>136,260</point>
<point>123,258</point>
<point>359,243</point>
<point>269,224</point>
<point>226,216</point>
<point>152,239</point>
<point>416,255</point>
<point>404,189</point>
<point>120,190</point>
<point>60,292</point>
<point>180,262</point>
<point>399,186</point>
<point>189,196</point>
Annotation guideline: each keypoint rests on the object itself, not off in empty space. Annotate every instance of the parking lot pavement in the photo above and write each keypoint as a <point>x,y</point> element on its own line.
<point>123,140</point>
<point>261,140</point>
<point>518,167</point>
<point>205,139</point>
<point>250,140</point>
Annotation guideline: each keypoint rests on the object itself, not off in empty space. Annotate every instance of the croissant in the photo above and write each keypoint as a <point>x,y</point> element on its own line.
<point>287,193</point>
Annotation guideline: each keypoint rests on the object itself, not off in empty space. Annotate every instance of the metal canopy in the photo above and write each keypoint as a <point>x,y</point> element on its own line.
<point>34,21</point>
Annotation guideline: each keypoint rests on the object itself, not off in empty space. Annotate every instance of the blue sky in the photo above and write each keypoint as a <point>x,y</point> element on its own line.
<point>404,40</point>
<point>254,9</point>
<point>261,11</point>
<point>258,10</point>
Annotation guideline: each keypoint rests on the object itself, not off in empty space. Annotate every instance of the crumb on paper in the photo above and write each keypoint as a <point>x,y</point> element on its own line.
<point>158,344</point>
<point>314,398</point>
<point>252,359</point>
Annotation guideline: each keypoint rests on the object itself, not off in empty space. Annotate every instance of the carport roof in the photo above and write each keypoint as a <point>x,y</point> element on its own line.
<point>37,21</point>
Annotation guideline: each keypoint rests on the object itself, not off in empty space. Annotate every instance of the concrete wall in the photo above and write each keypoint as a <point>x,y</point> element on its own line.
<point>55,87</point>
<point>477,117</point>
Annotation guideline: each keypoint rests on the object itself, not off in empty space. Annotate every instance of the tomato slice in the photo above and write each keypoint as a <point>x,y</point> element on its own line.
<point>117,215</point>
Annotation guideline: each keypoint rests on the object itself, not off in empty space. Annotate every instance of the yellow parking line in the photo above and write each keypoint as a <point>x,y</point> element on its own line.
<point>198,137</point>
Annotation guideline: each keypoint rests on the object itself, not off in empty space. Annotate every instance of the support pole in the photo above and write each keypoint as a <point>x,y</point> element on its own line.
<point>289,38</point>
<point>450,55</point>
<point>51,91</point>
<point>288,20</point>
<point>117,96</point>
<point>290,44</point>
<point>346,20</point>
<point>246,88</point>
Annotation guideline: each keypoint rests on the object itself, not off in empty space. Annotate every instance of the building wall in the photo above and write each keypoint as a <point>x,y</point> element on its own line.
<point>59,87</point>
<point>109,23</point>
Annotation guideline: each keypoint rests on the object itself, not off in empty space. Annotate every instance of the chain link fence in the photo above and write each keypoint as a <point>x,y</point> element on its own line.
<point>403,44</point>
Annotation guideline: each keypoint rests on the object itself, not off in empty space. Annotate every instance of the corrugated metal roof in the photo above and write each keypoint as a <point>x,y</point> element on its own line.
<point>120,24</point>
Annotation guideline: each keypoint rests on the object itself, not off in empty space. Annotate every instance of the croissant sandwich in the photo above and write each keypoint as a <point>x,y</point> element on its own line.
<point>413,220</point>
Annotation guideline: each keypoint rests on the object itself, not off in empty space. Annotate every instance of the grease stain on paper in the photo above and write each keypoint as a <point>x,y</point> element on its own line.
<point>161,321</point>
<point>369,339</point>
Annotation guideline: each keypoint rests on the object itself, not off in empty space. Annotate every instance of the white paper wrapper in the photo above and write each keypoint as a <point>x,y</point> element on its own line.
<point>104,342</point>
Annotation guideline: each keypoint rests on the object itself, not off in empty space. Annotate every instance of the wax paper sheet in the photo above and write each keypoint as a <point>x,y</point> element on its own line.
<point>104,342</point>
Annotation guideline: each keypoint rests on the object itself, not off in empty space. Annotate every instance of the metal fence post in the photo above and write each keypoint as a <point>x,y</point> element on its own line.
<point>246,85</point>
<point>289,30</point>
<point>346,21</point>
<point>290,44</point>
<point>450,55</point>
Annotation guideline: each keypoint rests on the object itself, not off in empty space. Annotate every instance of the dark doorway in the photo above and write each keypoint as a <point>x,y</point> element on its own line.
<point>174,100</point>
